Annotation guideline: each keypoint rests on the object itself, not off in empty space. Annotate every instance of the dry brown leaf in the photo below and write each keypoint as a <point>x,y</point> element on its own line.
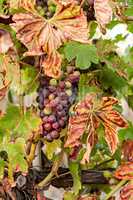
<point>42,36</point>
<point>103,12</point>
<point>5,41</point>
<point>125,171</point>
<point>127,192</point>
<point>89,113</point>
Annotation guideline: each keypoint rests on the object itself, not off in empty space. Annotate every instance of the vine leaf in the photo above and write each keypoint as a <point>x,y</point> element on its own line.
<point>125,171</point>
<point>42,36</point>
<point>5,41</point>
<point>103,12</point>
<point>17,124</point>
<point>127,192</point>
<point>88,115</point>
<point>85,54</point>
<point>8,64</point>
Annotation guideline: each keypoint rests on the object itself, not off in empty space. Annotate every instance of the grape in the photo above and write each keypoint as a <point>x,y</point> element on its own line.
<point>69,92</point>
<point>51,119</point>
<point>47,126</point>
<point>49,138</point>
<point>51,96</point>
<point>61,123</point>
<point>55,134</point>
<point>54,100</point>
<point>53,82</point>
<point>68,84</point>
<point>59,107</point>
<point>62,84</point>
<point>52,88</point>
<point>55,125</point>
<point>47,111</point>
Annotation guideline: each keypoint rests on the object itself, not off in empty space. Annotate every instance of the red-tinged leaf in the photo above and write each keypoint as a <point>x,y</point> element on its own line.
<point>103,12</point>
<point>78,122</point>
<point>40,197</point>
<point>111,138</point>
<point>52,65</point>
<point>107,103</point>
<point>90,143</point>
<point>127,149</point>
<point>127,192</point>
<point>89,113</point>
<point>5,41</point>
<point>125,171</point>
<point>43,36</point>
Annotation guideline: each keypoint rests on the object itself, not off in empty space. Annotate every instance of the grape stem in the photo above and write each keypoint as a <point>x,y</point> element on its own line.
<point>117,187</point>
<point>53,171</point>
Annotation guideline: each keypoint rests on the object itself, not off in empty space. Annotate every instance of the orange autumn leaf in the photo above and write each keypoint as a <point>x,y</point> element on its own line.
<point>125,171</point>
<point>43,37</point>
<point>127,192</point>
<point>103,12</point>
<point>88,115</point>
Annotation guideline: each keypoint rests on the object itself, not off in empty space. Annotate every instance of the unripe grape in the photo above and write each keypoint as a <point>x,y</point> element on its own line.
<point>53,82</point>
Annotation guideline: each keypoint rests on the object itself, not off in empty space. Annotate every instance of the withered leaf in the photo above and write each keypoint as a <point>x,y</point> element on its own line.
<point>42,36</point>
<point>88,114</point>
<point>125,171</point>
<point>5,41</point>
<point>127,192</point>
<point>103,12</point>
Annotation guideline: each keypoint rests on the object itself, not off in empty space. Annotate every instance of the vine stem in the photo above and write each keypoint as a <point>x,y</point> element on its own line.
<point>53,171</point>
<point>117,187</point>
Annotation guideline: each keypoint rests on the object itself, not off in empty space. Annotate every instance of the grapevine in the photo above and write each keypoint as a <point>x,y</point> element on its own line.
<point>66,90</point>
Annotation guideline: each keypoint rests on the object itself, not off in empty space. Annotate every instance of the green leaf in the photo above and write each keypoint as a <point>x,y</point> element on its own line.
<point>52,147</point>
<point>84,86</point>
<point>84,54</point>
<point>127,133</point>
<point>17,124</point>
<point>74,168</point>
<point>110,79</point>
<point>29,81</point>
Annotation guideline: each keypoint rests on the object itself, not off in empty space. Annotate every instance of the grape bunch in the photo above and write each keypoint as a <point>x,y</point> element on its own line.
<point>54,100</point>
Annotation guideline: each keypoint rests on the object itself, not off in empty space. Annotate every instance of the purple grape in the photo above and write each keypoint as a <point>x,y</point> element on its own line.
<point>55,134</point>
<point>52,88</point>
<point>49,138</point>
<point>62,84</point>
<point>62,113</point>
<point>47,126</point>
<point>61,123</point>
<point>45,119</point>
<point>54,102</point>
<point>59,107</point>
<point>51,119</point>
<point>55,125</point>
<point>45,133</point>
